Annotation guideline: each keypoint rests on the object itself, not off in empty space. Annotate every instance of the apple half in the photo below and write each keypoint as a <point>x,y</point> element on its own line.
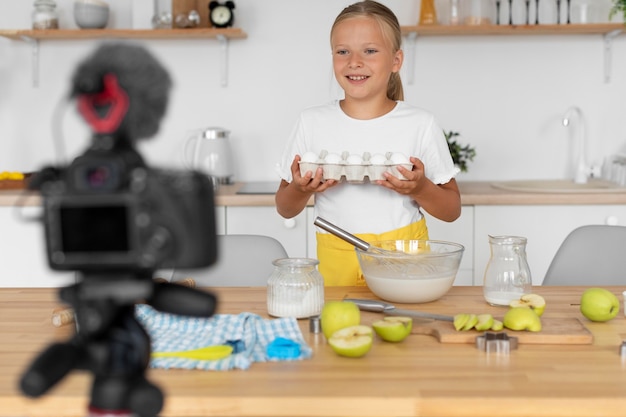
<point>532,301</point>
<point>393,328</point>
<point>353,341</point>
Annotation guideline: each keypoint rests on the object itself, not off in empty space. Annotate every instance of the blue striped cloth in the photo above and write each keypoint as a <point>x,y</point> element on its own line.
<point>251,334</point>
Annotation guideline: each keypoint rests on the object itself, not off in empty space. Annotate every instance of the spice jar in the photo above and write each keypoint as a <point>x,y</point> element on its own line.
<point>507,275</point>
<point>295,288</point>
<point>45,15</point>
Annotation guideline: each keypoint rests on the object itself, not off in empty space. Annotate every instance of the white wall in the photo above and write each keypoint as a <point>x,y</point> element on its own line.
<point>505,94</point>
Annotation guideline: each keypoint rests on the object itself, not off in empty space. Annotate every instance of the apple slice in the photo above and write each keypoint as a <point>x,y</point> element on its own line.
<point>485,322</point>
<point>393,328</point>
<point>497,325</point>
<point>353,341</point>
<point>471,322</point>
<point>460,320</point>
<point>533,301</point>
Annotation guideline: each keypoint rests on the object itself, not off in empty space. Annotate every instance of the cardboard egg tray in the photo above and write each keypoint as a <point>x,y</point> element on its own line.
<point>353,172</point>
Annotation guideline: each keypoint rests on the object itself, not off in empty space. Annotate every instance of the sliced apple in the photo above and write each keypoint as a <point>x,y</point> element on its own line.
<point>532,301</point>
<point>485,321</point>
<point>460,320</point>
<point>353,341</point>
<point>522,318</point>
<point>393,328</point>
<point>497,325</point>
<point>471,322</point>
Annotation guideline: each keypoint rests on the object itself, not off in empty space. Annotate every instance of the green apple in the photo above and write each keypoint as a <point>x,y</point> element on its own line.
<point>599,304</point>
<point>522,318</point>
<point>337,315</point>
<point>534,301</point>
<point>485,322</point>
<point>393,328</point>
<point>497,325</point>
<point>353,341</point>
<point>471,322</point>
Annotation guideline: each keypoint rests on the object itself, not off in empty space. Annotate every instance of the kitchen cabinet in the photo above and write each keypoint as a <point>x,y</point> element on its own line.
<point>265,220</point>
<point>545,227</point>
<point>35,36</point>
<point>460,231</point>
<point>23,252</point>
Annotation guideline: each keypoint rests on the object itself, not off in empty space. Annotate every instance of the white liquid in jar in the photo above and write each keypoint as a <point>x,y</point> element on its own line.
<point>498,298</point>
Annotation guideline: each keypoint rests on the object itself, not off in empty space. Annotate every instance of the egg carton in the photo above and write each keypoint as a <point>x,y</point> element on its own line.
<point>355,168</point>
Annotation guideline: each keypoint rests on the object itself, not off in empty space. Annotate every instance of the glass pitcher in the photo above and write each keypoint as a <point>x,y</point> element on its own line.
<point>507,275</point>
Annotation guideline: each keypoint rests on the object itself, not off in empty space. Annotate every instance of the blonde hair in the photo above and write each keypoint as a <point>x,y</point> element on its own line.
<point>391,30</point>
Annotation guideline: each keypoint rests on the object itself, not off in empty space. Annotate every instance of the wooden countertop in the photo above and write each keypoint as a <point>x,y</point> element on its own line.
<point>417,377</point>
<point>472,193</point>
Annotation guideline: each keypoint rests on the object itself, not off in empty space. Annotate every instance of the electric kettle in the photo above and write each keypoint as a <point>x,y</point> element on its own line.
<point>208,150</point>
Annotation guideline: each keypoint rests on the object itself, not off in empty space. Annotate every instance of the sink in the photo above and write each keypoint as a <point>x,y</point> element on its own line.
<point>559,186</point>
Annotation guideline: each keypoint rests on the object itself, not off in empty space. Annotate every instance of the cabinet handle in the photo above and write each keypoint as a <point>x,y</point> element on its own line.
<point>290,223</point>
<point>611,221</point>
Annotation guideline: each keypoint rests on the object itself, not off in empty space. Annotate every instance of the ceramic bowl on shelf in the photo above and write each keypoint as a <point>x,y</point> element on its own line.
<point>410,271</point>
<point>91,14</point>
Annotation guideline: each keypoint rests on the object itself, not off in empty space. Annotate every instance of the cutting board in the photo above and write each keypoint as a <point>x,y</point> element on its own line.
<point>555,331</point>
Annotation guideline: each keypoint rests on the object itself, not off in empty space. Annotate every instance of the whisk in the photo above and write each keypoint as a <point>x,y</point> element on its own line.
<point>361,244</point>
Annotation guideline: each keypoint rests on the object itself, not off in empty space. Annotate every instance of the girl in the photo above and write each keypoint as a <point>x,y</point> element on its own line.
<point>372,117</point>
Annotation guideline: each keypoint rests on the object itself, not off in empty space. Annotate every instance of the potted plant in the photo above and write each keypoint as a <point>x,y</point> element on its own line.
<point>461,155</point>
<point>618,6</point>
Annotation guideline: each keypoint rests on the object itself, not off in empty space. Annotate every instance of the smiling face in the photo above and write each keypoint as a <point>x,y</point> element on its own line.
<point>363,59</point>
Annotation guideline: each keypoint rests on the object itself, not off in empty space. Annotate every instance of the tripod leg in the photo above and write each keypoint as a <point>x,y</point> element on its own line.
<point>49,368</point>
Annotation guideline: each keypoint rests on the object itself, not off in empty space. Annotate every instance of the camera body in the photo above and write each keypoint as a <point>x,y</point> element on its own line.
<point>108,211</point>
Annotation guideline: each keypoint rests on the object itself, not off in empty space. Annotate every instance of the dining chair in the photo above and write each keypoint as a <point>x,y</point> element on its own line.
<point>242,261</point>
<point>590,255</point>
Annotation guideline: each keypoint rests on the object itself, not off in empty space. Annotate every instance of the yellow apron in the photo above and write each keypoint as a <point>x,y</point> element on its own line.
<point>338,261</point>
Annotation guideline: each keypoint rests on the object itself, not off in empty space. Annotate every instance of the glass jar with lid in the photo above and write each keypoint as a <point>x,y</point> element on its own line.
<point>45,15</point>
<point>295,288</point>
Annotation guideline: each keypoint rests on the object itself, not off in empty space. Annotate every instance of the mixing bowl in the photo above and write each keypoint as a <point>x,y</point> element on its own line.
<point>410,271</point>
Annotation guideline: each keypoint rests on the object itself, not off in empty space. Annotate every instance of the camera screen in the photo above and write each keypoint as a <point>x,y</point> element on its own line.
<point>94,229</point>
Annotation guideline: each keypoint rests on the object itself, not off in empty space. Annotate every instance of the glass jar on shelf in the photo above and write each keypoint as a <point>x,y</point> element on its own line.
<point>45,15</point>
<point>478,12</point>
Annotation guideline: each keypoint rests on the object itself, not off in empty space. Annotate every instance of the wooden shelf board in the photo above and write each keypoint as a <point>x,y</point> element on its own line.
<point>467,30</point>
<point>68,34</point>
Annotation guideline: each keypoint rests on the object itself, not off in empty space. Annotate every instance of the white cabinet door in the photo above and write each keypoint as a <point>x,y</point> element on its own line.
<point>545,227</point>
<point>22,252</point>
<point>460,231</point>
<point>265,220</point>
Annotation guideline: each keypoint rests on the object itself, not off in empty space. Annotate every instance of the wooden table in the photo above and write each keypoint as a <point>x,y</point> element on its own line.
<point>418,377</point>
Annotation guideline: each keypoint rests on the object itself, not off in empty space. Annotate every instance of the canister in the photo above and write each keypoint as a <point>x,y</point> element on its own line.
<point>295,288</point>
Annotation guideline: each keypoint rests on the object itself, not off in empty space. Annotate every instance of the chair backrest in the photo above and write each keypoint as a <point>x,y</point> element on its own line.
<point>590,255</point>
<point>243,260</point>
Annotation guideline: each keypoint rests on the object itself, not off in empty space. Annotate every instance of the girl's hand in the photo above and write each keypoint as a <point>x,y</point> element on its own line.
<point>414,182</point>
<point>310,182</point>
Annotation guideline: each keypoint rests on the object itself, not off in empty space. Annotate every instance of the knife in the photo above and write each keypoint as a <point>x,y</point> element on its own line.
<point>389,309</point>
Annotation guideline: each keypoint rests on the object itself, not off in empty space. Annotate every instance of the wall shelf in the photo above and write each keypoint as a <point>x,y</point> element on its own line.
<point>33,37</point>
<point>608,31</point>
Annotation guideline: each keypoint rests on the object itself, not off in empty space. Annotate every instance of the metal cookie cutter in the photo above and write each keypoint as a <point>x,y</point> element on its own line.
<point>496,342</point>
<point>622,350</point>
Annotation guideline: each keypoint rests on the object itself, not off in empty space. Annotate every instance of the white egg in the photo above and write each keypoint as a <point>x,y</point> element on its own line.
<point>378,159</point>
<point>332,158</point>
<point>354,159</point>
<point>399,158</point>
<point>309,157</point>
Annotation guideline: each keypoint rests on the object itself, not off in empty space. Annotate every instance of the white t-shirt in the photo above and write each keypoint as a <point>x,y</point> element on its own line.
<point>369,208</point>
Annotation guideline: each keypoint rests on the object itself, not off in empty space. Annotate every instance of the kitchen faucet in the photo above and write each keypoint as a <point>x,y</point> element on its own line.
<point>582,172</point>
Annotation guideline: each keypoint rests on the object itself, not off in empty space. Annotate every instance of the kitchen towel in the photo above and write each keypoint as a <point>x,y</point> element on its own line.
<point>249,333</point>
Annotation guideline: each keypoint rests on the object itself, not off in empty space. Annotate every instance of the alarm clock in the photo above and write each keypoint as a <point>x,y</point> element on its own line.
<point>221,14</point>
